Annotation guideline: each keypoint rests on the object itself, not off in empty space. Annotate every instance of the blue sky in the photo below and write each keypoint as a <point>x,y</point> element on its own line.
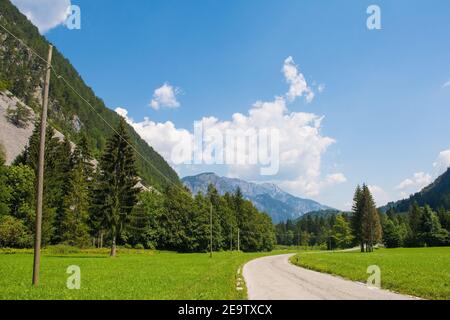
<point>385,103</point>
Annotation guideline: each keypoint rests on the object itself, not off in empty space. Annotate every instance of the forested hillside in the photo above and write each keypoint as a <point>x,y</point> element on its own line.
<point>21,73</point>
<point>436,195</point>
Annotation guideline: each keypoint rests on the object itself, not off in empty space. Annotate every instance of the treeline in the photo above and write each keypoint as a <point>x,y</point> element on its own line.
<point>366,226</point>
<point>106,204</point>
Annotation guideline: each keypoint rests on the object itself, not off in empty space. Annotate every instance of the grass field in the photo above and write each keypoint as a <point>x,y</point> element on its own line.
<point>422,272</point>
<point>132,275</point>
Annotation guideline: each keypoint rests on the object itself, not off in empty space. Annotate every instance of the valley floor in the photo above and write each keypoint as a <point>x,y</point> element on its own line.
<point>132,275</point>
<point>420,272</point>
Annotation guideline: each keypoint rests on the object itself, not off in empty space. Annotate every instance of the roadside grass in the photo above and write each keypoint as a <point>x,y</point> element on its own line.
<point>420,272</point>
<point>133,275</point>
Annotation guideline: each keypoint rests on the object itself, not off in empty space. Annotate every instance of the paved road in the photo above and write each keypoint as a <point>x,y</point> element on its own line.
<point>274,278</point>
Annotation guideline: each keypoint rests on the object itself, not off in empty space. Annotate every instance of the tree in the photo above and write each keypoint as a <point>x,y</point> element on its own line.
<point>5,190</point>
<point>342,233</point>
<point>145,226</point>
<point>430,232</point>
<point>19,116</point>
<point>21,181</point>
<point>392,237</point>
<point>370,223</point>
<point>414,218</point>
<point>117,192</point>
<point>13,233</point>
<point>74,229</point>
<point>357,216</point>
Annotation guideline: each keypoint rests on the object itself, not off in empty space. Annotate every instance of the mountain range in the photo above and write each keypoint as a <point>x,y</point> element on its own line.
<point>267,197</point>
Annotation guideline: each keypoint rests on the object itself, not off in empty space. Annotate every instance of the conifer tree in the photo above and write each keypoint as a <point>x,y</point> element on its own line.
<point>356,219</point>
<point>370,223</point>
<point>117,193</point>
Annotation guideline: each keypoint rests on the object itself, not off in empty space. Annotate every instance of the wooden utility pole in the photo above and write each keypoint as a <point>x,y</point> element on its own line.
<point>239,241</point>
<point>210,221</point>
<point>40,185</point>
<point>231,239</point>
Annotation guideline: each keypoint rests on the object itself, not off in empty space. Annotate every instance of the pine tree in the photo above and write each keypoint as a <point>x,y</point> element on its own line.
<point>356,219</point>
<point>117,192</point>
<point>414,218</point>
<point>370,222</point>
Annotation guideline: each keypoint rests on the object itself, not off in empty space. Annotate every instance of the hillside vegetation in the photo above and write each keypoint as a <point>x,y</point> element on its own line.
<point>21,73</point>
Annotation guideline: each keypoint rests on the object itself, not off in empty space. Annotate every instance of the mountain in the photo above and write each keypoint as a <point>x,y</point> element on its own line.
<point>436,195</point>
<point>21,73</point>
<point>267,197</point>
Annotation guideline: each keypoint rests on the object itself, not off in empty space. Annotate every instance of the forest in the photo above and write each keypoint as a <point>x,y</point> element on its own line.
<point>366,226</point>
<point>88,205</point>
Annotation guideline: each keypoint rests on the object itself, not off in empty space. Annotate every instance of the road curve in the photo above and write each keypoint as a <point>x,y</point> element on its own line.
<point>275,278</point>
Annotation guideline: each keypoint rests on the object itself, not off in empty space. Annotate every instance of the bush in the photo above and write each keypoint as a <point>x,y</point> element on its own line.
<point>13,233</point>
<point>139,246</point>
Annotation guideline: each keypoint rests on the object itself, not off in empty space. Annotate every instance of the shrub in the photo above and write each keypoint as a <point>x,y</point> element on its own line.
<point>20,116</point>
<point>139,246</point>
<point>13,233</point>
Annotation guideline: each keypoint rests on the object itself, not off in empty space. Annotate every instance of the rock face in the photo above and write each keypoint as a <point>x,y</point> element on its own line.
<point>267,197</point>
<point>13,139</point>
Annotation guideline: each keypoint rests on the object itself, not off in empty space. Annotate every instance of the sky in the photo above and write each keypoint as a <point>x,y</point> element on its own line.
<point>351,105</point>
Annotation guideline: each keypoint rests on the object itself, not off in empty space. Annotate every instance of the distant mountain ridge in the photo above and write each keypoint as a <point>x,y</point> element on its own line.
<point>435,195</point>
<point>267,197</point>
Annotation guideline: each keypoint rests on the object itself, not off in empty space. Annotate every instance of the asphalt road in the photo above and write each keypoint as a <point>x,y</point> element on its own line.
<point>275,278</point>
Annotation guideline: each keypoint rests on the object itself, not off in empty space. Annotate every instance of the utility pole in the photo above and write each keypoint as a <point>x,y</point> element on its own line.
<point>231,239</point>
<point>40,185</point>
<point>239,240</point>
<point>210,221</point>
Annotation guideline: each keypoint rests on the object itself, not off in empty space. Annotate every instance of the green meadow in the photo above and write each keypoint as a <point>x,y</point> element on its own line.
<point>421,272</point>
<point>132,275</point>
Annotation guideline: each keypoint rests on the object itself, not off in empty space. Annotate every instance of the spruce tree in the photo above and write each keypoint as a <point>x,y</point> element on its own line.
<point>370,223</point>
<point>117,192</point>
<point>74,229</point>
<point>356,219</point>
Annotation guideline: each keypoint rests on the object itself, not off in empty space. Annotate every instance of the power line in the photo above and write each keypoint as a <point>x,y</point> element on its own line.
<point>58,76</point>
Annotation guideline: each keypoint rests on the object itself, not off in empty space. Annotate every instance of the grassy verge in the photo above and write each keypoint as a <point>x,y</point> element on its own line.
<point>132,275</point>
<point>421,272</point>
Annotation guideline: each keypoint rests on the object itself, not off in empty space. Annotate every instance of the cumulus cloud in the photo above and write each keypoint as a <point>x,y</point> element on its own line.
<point>165,97</point>
<point>417,182</point>
<point>297,83</point>
<point>380,196</point>
<point>301,143</point>
<point>44,14</point>
<point>443,161</point>
<point>163,137</point>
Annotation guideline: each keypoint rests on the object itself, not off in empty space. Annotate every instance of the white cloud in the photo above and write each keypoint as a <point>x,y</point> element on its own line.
<point>301,143</point>
<point>446,85</point>
<point>296,81</point>
<point>336,178</point>
<point>163,137</point>
<point>417,182</point>
<point>443,161</point>
<point>165,97</point>
<point>44,14</point>
<point>321,88</point>
<point>380,196</point>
